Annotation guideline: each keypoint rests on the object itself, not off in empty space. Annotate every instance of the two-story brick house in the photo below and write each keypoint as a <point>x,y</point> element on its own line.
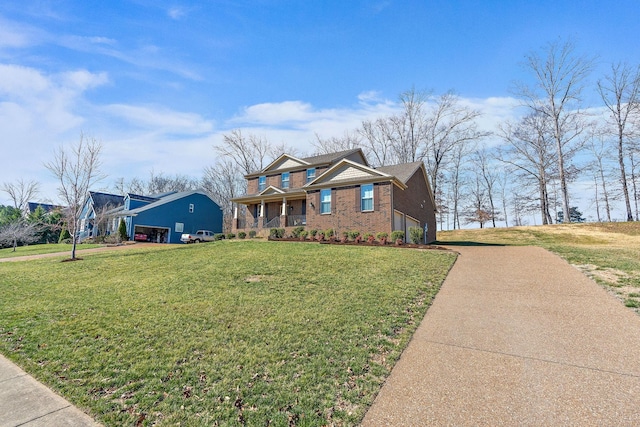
<point>339,191</point>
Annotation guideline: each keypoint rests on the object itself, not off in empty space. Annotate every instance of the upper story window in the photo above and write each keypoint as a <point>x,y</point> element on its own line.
<point>285,180</point>
<point>311,174</point>
<point>191,207</point>
<point>262,183</point>
<point>366,197</point>
<point>325,201</point>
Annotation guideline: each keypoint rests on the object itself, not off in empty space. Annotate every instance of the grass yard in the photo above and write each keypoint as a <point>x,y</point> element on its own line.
<point>42,249</point>
<point>607,252</point>
<point>230,333</point>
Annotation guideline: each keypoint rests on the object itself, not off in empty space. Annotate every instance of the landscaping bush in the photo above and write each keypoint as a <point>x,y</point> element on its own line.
<point>329,233</point>
<point>296,232</point>
<point>313,233</point>
<point>320,236</point>
<point>230,236</point>
<point>218,236</point>
<point>242,235</point>
<point>353,235</point>
<point>112,239</point>
<point>303,234</point>
<point>276,233</point>
<point>397,234</point>
<point>415,234</point>
<point>122,231</point>
<point>252,234</point>
<point>64,236</point>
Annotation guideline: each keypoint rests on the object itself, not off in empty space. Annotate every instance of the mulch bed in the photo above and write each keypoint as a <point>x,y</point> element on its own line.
<point>351,243</point>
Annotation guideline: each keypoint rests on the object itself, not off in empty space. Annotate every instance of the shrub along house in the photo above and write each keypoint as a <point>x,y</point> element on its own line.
<point>338,191</point>
<point>163,218</point>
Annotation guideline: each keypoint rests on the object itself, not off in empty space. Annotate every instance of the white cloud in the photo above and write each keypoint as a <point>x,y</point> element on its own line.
<point>176,12</point>
<point>160,119</point>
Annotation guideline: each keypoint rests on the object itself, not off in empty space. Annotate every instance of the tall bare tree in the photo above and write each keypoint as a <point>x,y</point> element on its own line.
<point>559,78</point>
<point>488,176</point>
<point>21,192</point>
<point>448,125</point>
<point>348,141</point>
<point>620,92</point>
<point>77,169</point>
<point>599,166</point>
<point>378,140</point>
<point>530,151</point>
<point>223,182</point>
<point>249,153</point>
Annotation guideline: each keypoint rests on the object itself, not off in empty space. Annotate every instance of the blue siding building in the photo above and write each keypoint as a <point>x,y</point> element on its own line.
<point>163,218</point>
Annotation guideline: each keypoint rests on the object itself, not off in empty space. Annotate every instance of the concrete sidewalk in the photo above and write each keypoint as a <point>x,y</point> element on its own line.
<point>516,336</point>
<point>26,402</point>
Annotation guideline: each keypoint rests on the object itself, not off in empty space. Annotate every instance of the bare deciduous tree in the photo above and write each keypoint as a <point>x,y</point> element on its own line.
<point>19,231</point>
<point>223,182</point>
<point>249,153</point>
<point>21,192</point>
<point>448,125</point>
<point>488,177</point>
<point>620,92</point>
<point>530,150</point>
<point>77,170</point>
<point>378,140</point>
<point>559,79</point>
<point>348,141</point>
<point>599,150</point>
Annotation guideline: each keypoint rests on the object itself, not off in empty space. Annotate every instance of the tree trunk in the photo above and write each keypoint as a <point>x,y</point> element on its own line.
<point>623,179</point>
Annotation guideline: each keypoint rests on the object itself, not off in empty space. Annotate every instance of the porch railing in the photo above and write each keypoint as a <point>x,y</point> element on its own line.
<point>296,220</point>
<point>272,223</point>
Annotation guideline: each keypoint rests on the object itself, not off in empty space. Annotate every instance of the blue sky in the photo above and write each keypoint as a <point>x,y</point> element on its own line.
<point>160,82</point>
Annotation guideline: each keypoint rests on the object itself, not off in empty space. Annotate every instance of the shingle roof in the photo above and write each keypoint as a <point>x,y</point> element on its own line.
<point>329,158</point>
<point>47,207</point>
<point>100,200</point>
<point>402,171</point>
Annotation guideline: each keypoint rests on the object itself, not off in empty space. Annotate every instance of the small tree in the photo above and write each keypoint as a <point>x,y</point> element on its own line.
<point>122,231</point>
<point>77,170</point>
<point>18,232</point>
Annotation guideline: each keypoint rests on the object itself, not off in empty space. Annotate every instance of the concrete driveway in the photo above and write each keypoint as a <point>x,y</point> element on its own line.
<point>517,336</point>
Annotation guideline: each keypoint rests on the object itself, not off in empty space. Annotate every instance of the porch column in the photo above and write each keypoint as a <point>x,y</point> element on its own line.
<point>261,208</point>
<point>235,212</point>
<point>283,213</point>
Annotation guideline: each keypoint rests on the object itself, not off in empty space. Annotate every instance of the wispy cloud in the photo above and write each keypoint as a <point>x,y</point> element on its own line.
<point>176,12</point>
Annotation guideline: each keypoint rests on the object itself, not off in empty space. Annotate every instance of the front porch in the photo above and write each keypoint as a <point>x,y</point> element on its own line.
<point>262,215</point>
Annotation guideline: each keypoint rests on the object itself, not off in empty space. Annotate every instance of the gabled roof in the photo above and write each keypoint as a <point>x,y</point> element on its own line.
<point>32,206</point>
<point>324,159</point>
<point>402,171</point>
<point>164,200</point>
<point>347,172</point>
<point>287,162</point>
<point>101,200</point>
<point>142,198</point>
<point>271,190</point>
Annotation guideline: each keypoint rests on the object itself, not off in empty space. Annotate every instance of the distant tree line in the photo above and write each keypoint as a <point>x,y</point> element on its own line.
<point>524,168</point>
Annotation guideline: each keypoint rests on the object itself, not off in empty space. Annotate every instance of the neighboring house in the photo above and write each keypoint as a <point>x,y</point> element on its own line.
<point>163,218</point>
<point>48,208</point>
<point>339,191</point>
<point>93,216</point>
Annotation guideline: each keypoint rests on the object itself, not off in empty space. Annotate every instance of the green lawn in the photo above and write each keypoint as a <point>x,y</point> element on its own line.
<point>607,252</point>
<point>42,249</point>
<point>262,333</point>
